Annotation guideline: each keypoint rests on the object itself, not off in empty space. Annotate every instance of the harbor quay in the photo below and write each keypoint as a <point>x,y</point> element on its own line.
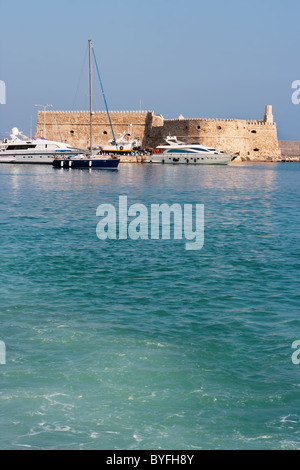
<point>251,140</point>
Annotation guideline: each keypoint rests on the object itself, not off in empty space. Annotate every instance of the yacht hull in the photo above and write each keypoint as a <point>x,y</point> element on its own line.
<point>100,164</point>
<point>39,159</point>
<point>212,159</point>
<point>7,160</point>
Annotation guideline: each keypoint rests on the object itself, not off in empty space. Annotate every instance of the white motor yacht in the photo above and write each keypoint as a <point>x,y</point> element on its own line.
<point>175,151</point>
<point>21,149</point>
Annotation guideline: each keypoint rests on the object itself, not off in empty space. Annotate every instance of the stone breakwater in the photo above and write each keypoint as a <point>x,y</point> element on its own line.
<point>290,150</point>
<point>252,140</point>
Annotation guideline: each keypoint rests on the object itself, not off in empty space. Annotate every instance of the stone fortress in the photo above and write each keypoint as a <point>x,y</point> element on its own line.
<point>253,140</point>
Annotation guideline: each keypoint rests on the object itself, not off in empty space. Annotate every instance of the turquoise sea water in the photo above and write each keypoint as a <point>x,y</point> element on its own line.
<point>124,344</point>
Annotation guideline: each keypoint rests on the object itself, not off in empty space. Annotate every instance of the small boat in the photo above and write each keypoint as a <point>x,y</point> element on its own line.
<point>176,152</point>
<point>123,144</point>
<point>22,149</point>
<point>93,158</point>
<point>87,161</point>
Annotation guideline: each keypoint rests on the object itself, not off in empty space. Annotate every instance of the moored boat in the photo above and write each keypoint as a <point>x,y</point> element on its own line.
<point>90,160</point>
<point>122,145</point>
<point>87,161</point>
<point>176,152</point>
<point>21,149</point>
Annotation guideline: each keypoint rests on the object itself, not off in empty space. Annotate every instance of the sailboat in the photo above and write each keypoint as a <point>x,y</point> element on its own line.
<point>90,160</point>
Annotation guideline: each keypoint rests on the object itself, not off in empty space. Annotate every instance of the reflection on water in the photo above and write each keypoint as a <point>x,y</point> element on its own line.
<point>224,177</point>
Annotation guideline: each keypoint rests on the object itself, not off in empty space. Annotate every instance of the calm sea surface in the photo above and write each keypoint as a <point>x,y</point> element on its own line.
<point>124,344</point>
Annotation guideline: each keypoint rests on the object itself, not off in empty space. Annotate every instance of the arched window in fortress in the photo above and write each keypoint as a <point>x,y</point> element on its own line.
<point>105,132</point>
<point>255,150</point>
<point>219,127</point>
<point>198,127</point>
<point>71,132</point>
<point>253,132</point>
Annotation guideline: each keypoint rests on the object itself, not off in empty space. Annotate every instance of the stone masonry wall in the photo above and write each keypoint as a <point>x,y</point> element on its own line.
<point>251,139</point>
<point>255,140</point>
<point>73,127</point>
<point>228,135</point>
<point>290,150</point>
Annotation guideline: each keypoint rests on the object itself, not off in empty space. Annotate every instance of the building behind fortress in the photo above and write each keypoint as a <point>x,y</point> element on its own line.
<point>252,139</point>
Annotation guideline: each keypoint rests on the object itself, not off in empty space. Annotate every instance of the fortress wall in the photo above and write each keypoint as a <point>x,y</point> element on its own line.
<point>252,139</point>
<point>290,149</point>
<point>228,135</point>
<point>263,139</point>
<point>74,127</point>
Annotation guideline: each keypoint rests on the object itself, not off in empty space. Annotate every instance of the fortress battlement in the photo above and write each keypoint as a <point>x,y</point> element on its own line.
<point>95,112</point>
<point>260,123</point>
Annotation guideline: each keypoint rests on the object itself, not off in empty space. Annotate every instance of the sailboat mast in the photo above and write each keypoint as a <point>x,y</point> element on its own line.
<point>91,109</point>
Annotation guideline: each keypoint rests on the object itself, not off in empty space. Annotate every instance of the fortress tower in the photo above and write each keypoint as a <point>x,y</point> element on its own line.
<point>269,118</point>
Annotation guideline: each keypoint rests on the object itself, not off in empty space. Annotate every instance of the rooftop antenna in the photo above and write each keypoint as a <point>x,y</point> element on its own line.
<point>44,106</point>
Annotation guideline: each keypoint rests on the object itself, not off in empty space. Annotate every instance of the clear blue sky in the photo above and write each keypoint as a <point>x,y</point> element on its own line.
<point>192,57</point>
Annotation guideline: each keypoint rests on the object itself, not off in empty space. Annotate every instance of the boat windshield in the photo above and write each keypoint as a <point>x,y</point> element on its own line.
<point>20,147</point>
